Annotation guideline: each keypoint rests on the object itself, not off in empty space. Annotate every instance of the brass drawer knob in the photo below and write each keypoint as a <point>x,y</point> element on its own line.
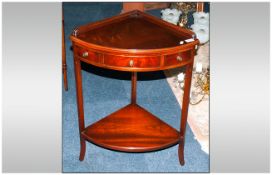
<point>85,54</point>
<point>131,62</point>
<point>179,58</point>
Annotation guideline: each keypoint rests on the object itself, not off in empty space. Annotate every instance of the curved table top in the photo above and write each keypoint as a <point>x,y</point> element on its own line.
<point>134,35</point>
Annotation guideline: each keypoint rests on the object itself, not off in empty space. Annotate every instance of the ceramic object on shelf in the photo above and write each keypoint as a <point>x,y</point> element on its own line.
<point>171,15</point>
<point>201,26</point>
<point>201,18</point>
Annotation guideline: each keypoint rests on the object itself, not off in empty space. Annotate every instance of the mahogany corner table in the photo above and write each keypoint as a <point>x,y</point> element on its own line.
<point>133,42</point>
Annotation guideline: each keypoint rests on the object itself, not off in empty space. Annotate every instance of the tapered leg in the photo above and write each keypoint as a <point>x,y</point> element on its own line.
<point>64,66</point>
<point>184,112</point>
<point>80,106</point>
<point>82,149</point>
<point>64,72</point>
<point>181,152</point>
<point>133,87</point>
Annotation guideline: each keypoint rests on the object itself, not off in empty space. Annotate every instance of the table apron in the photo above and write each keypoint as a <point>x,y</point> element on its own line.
<point>134,69</point>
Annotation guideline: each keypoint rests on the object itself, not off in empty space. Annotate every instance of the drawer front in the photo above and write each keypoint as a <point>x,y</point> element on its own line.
<point>87,54</point>
<point>136,62</point>
<point>178,58</point>
<point>147,62</point>
<point>119,61</point>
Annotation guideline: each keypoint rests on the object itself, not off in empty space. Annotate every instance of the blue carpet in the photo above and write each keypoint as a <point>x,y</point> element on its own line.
<point>106,91</point>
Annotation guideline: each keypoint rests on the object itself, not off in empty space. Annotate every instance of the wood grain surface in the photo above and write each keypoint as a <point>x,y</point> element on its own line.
<point>131,129</point>
<point>135,42</point>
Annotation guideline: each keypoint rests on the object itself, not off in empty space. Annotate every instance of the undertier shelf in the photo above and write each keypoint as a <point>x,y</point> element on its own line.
<point>131,129</point>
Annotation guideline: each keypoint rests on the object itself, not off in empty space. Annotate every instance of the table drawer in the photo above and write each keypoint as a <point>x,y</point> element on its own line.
<point>146,62</point>
<point>87,54</point>
<point>177,58</point>
<point>138,62</point>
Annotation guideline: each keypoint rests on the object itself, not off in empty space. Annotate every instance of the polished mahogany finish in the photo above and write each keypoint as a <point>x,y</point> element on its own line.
<point>134,42</point>
<point>138,41</point>
<point>64,65</point>
<point>133,87</point>
<point>131,129</point>
<point>131,33</point>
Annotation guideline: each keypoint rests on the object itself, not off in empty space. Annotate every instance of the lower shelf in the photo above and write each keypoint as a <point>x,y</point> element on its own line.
<point>131,129</point>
